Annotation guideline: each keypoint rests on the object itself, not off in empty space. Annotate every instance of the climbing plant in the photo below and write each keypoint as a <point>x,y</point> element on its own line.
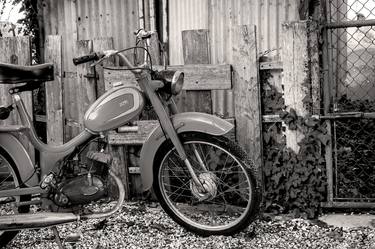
<point>294,182</point>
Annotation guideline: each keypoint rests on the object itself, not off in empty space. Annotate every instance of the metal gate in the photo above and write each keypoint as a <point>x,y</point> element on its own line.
<point>349,88</point>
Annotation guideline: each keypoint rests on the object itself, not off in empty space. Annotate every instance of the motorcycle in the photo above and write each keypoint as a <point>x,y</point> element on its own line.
<point>204,181</point>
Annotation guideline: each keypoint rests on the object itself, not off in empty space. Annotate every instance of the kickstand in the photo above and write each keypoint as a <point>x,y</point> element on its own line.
<point>57,237</point>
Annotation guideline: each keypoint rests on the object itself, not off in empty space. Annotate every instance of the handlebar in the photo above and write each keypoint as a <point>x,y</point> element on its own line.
<point>86,58</point>
<point>100,56</point>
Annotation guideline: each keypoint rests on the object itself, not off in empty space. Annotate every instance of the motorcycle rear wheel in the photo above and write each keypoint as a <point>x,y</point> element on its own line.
<point>10,179</point>
<point>232,197</point>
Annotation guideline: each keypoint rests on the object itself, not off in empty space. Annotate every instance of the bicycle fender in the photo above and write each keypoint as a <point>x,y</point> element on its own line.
<point>183,122</point>
<point>20,157</point>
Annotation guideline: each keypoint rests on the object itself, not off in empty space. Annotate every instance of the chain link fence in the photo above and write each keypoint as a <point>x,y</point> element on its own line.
<point>351,59</point>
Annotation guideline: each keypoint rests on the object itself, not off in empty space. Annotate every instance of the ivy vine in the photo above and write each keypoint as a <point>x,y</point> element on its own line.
<point>294,182</point>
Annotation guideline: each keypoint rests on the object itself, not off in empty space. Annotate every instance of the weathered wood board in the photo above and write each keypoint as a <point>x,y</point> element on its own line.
<point>195,46</point>
<point>296,77</point>
<point>247,92</point>
<point>54,91</point>
<point>197,77</point>
<point>140,135</point>
<point>100,45</point>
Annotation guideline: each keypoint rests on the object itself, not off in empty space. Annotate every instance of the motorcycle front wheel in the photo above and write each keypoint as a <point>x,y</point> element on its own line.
<point>231,196</point>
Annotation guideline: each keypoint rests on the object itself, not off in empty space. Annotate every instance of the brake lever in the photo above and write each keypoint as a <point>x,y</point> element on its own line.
<point>105,55</point>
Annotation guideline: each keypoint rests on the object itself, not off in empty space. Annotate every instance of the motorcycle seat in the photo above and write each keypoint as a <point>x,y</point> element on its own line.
<point>12,74</point>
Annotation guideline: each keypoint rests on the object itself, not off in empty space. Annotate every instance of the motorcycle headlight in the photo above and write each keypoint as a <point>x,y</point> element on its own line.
<point>173,80</point>
<point>177,82</point>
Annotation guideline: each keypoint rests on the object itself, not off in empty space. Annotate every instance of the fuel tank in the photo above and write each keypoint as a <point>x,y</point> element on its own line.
<point>114,108</point>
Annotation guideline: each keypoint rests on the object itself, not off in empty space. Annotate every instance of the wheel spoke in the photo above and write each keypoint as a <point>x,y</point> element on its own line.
<point>179,189</point>
<point>228,187</point>
<point>205,157</point>
<point>9,179</point>
<point>1,183</point>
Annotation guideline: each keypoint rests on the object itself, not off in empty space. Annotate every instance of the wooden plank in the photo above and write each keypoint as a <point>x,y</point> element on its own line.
<point>347,205</point>
<point>329,163</point>
<point>54,110</point>
<point>100,45</point>
<point>145,127</point>
<point>195,45</point>
<point>296,78</point>
<point>271,65</point>
<point>86,87</point>
<point>223,103</point>
<point>155,49</point>
<point>71,111</point>
<point>194,101</point>
<point>327,96</point>
<point>206,77</point>
<point>197,77</point>
<point>40,118</point>
<point>313,50</point>
<point>271,118</point>
<point>16,50</point>
<point>41,31</point>
<point>117,76</point>
<point>119,157</point>
<point>247,92</point>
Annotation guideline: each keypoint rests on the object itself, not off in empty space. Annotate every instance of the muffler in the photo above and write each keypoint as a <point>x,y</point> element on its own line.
<point>41,220</point>
<point>33,221</point>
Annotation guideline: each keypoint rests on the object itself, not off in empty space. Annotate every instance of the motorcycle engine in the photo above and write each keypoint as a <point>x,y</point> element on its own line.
<point>80,190</point>
<point>83,178</point>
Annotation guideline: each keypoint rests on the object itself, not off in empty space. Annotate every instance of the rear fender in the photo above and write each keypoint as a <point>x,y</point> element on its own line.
<point>183,122</point>
<point>20,157</point>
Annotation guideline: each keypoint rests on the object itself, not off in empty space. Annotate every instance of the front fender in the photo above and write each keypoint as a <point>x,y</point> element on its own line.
<point>183,122</point>
<point>20,157</point>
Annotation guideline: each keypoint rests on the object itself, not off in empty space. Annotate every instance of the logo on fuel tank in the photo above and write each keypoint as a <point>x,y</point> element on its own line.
<point>124,103</point>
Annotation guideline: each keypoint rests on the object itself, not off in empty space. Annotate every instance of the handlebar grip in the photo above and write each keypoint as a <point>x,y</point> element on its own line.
<point>85,58</point>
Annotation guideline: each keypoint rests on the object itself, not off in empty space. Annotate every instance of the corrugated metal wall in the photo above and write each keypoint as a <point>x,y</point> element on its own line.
<point>220,15</point>
<point>89,19</point>
<point>184,15</point>
<point>76,20</point>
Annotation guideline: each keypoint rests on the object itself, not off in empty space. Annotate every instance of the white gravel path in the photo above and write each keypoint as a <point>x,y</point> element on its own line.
<point>145,225</point>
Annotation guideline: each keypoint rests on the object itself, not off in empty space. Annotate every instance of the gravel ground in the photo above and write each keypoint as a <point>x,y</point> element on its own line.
<point>145,225</point>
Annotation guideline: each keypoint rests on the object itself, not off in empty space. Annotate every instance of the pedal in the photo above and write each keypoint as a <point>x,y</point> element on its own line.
<point>73,238</point>
<point>99,157</point>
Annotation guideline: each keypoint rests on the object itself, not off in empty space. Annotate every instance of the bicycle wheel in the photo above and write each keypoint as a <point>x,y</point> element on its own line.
<point>231,198</point>
<point>10,179</point>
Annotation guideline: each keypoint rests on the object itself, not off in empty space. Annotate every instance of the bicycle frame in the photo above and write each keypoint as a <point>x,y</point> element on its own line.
<point>49,154</point>
<point>170,127</point>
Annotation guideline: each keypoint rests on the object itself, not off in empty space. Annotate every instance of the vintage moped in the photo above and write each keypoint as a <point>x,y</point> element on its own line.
<point>203,180</point>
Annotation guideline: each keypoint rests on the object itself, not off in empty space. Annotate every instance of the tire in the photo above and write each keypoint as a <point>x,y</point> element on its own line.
<point>10,179</point>
<point>233,195</point>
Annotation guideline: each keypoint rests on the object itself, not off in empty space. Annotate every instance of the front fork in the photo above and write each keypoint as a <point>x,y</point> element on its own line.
<point>144,80</point>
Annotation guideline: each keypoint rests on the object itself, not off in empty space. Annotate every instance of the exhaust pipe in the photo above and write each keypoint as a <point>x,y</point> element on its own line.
<point>41,220</point>
<point>33,221</point>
